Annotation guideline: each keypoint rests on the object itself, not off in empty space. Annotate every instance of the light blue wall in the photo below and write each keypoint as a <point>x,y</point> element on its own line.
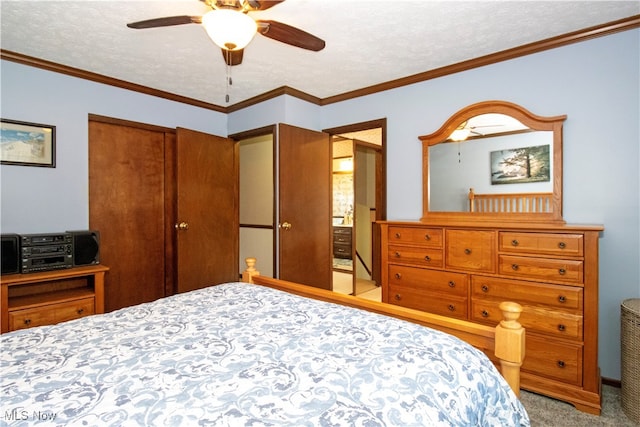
<point>38,200</point>
<point>595,83</point>
<point>284,109</point>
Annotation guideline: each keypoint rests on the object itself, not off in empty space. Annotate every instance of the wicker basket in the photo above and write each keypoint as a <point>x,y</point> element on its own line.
<point>630,351</point>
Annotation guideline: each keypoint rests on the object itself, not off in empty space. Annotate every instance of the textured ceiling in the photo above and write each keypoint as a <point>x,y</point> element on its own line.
<point>367,42</point>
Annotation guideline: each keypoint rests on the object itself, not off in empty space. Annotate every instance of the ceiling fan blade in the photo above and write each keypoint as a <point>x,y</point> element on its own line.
<point>263,5</point>
<point>232,57</point>
<point>165,22</point>
<point>290,35</point>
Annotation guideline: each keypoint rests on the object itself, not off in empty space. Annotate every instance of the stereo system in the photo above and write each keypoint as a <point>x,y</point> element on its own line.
<point>27,253</point>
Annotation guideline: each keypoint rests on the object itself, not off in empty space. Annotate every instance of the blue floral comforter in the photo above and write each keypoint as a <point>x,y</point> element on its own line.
<point>245,355</point>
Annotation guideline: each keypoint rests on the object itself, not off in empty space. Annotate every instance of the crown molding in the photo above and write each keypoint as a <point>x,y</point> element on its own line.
<point>528,49</point>
<point>99,78</point>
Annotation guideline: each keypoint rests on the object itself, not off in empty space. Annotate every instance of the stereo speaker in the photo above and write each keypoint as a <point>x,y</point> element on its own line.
<point>10,254</point>
<point>86,247</point>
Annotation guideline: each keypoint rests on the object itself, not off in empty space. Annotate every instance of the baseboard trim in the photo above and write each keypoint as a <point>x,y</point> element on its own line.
<point>611,382</point>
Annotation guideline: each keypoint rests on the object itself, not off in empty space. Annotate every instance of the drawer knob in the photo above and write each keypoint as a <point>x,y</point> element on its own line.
<point>562,271</point>
<point>514,267</point>
<point>398,276</point>
<point>562,245</point>
<point>485,288</point>
<point>80,310</point>
<point>427,258</point>
<point>427,237</point>
<point>398,235</point>
<point>562,299</point>
<point>467,251</point>
<point>560,363</point>
<point>561,327</point>
<point>485,313</point>
<point>27,321</point>
<point>452,284</point>
<point>397,254</point>
<point>514,242</point>
<point>398,297</point>
<point>451,307</point>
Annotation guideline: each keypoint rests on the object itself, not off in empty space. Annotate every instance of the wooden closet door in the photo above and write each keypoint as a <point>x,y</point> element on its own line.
<point>127,207</point>
<point>305,203</point>
<point>207,208</point>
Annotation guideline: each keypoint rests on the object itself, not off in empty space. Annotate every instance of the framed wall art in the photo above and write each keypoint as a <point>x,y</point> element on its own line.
<point>27,144</point>
<point>521,165</point>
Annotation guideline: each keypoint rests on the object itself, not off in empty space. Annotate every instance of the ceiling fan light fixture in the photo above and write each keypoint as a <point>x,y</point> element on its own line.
<point>461,133</point>
<point>229,29</point>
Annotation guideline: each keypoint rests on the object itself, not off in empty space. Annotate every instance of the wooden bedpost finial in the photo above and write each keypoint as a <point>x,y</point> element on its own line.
<point>472,207</point>
<point>510,341</point>
<point>510,313</point>
<point>247,275</point>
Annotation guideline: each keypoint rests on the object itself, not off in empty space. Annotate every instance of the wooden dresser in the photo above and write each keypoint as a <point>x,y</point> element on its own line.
<point>342,242</point>
<point>45,298</point>
<point>465,270</point>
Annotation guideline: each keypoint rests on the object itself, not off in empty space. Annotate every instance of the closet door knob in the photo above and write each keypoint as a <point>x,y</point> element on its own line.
<point>285,225</point>
<point>182,226</point>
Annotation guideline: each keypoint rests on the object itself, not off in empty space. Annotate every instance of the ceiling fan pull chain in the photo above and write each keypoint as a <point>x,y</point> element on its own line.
<point>229,81</point>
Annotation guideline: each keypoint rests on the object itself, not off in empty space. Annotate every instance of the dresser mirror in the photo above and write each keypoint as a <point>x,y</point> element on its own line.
<point>494,160</point>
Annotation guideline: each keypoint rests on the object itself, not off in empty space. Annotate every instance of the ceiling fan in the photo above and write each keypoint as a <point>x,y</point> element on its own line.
<point>466,131</point>
<point>230,27</point>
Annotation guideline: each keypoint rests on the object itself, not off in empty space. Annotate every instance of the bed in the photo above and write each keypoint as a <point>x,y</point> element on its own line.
<point>265,354</point>
<point>510,202</point>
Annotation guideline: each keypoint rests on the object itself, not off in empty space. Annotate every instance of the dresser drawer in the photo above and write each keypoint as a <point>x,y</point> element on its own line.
<point>51,313</point>
<point>541,268</point>
<point>425,257</point>
<point>470,250</point>
<point>559,296</point>
<point>542,243</point>
<point>341,251</point>
<point>415,236</point>
<point>552,322</point>
<point>420,299</point>
<point>433,281</point>
<point>342,238</point>
<point>551,359</point>
<point>342,230</point>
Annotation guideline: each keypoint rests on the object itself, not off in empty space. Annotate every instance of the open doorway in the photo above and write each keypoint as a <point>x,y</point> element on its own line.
<point>358,202</point>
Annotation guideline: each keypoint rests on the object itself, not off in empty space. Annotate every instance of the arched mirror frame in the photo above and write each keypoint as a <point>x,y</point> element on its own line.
<point>527,118</point>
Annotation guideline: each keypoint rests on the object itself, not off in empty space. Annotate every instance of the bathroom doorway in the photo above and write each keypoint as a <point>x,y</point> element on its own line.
<point>358,202</point>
